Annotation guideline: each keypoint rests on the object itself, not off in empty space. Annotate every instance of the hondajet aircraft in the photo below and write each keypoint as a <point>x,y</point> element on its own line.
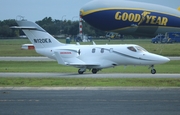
<point>92,57</point>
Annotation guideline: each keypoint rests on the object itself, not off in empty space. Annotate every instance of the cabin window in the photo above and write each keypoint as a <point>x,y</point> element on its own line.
<point>93,50</point>
<point>132,49</point>
<point>102,50</point>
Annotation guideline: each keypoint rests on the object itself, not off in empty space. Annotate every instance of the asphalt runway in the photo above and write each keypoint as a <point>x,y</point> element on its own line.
<point>133,101</point>
<point>87,100</point>
<point>88,75</point>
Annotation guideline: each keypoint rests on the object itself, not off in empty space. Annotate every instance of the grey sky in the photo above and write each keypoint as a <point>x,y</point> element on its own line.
<point>35,10</point>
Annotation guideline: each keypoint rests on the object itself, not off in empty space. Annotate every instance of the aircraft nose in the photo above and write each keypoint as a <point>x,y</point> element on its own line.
<point>165,59</point>
<point>155,59</point>
<point>161,59</point>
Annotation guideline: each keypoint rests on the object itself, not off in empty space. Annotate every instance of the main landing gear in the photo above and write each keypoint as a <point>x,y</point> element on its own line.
<point>94,71</point>
<point>81,71</point>
<point>153,71</point>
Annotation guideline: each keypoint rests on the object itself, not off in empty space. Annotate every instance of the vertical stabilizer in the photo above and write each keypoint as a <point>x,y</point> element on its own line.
<point>37,35</point>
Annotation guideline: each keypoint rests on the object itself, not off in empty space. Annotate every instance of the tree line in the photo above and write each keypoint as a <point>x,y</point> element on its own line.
<point>54,27</point>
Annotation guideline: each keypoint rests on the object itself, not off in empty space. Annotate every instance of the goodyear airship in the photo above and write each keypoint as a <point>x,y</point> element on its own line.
<point>130,17</point>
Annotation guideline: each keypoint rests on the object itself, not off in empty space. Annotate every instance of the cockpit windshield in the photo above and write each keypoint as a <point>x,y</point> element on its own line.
<point>136,49</point>
<point>141,49</point>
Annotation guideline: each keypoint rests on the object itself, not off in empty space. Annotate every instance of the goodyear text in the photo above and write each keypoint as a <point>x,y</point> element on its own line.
<point>140,18</point>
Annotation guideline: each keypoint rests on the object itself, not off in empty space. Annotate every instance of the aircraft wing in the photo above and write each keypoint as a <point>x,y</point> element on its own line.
<point>79,65</point>
<point>74,61</point>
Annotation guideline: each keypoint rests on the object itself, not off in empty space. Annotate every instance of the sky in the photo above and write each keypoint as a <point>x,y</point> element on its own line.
<point>34,10</point>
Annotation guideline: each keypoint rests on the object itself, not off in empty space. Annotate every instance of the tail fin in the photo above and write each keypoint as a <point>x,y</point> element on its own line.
<point>37,35</point>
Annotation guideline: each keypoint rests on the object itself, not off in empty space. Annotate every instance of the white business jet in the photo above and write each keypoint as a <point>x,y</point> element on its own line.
<point>93,57</point>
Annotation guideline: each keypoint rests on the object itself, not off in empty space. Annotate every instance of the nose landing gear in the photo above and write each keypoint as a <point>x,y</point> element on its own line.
<point>153,71</point>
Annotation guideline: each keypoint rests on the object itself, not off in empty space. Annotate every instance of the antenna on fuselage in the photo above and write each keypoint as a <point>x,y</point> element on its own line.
<point>93,43</point>
<point>77,43</point>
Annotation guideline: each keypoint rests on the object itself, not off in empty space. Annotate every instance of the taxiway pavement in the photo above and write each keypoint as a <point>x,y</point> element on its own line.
<point>89,75</point>
<point>133,101</point>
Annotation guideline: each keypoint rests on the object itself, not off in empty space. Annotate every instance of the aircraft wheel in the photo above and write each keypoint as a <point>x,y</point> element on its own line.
<point>94,71</point>
<point>80,72</point>
<point>153,71</point>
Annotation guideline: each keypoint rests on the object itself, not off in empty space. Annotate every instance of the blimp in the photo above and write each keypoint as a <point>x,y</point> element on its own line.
<point>131,17</point>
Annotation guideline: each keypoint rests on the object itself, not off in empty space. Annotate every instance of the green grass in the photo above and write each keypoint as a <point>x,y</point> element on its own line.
<point>87,82</point>
<point>53,66</point>
<point>12,47</point>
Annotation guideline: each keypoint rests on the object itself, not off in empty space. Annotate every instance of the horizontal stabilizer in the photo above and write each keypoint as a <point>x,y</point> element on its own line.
<point>24,27</point>
<point>27,47</point>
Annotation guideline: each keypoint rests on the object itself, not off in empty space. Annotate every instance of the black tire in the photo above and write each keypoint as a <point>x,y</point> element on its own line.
<point>153,71</point>
<point>80,72</point>
<point>94,71</point>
